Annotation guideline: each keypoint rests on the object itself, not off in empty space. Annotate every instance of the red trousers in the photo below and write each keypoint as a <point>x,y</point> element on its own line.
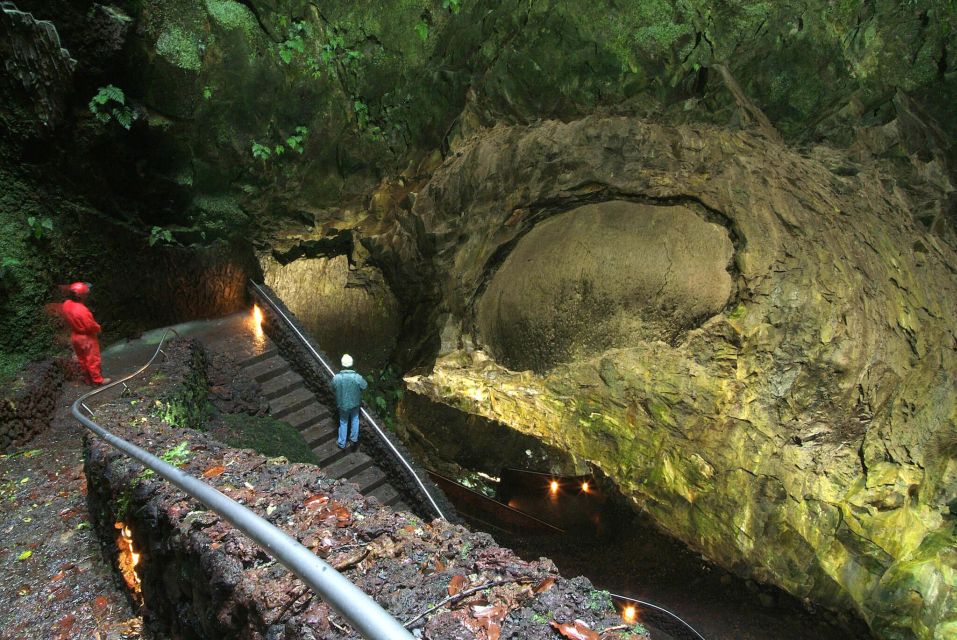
<point>88,353</point>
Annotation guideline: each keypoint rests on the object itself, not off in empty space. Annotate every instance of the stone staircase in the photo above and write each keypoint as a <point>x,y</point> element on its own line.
<point>292,402</point>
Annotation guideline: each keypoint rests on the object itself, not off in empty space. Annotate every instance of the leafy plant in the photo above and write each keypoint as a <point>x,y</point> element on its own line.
<point>175,456</point>
<point>159,234</point>
<point>178,454</point>
<point>363,121</point>
<point>422,30</point>
<point>261,151</point>
<point>385,391</point>
<point>39,227</point>
<point>109,103</point>
<point>453,6</point>
<point>295,141</point>
<point>207,93</point>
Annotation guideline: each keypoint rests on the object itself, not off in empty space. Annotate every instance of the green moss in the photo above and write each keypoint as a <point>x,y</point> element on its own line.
<point>232,15</point>
<point>179,48</point>
<point>266,435</point>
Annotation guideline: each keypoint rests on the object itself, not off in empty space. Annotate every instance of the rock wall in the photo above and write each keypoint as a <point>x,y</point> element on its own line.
<point>804,434</point>
<point>200,578</point>
<point>345,309</point>
<point>28,402</point>
<point>37,72</point>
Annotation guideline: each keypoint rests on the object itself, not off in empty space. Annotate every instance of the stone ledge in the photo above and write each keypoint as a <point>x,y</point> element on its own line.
<point>26,407</point>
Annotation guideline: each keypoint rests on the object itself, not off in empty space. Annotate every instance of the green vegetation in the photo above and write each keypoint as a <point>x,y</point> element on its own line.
<point>161,235</point>
<point>179,48</point>
<point>176,456</point>
<point>385,391</point>
<point>264,434</point>
<point>40,227</point>
<point>598,600</point>
<point>232,15</point>
<point>294,142</point>
<point>108,104</point>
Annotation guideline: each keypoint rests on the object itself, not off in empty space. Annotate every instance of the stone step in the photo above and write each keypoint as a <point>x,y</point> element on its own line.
<point>319,433</point>
<point>347,466</point>
<point>259,357</point>
<point>307,416</point>
<point>267,369</point>
<point>328,452</point>
<point>369,479</point>
<point>291,402</point>
<point>282,384</point>
<point>386,494</point>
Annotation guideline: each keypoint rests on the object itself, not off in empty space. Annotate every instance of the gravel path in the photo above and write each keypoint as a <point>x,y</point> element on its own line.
<point>56,583</point>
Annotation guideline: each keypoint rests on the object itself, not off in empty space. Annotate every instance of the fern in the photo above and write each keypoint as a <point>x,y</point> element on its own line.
<point>109,103</point>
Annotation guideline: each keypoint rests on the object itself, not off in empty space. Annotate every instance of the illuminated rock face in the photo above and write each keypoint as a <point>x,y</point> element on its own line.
<point>601,276</point>
<point>358,316</point>
<point>805,434</point>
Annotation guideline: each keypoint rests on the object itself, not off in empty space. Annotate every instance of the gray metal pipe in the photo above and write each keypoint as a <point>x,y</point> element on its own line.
<point>362,612</point>
<point>365,413</point>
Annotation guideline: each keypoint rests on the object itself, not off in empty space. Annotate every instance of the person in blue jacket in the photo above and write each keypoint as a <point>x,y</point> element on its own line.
<point>348,386</point>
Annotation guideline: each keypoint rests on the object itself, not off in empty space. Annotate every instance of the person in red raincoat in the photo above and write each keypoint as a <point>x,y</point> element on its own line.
<point>83,332</point>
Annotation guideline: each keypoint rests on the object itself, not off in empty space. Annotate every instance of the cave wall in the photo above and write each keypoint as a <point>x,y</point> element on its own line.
<point>241,121</point>
<point>804,435</point>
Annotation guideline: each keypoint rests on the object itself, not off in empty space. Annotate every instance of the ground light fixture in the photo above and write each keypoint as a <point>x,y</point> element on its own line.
<point>585,486</point>
<point>553,487</point>
<point>629,614</point>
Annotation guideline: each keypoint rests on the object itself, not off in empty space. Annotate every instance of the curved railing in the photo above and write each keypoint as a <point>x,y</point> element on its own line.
<point>687,631</point>
<point>365,615</point>
<point>382,436</point>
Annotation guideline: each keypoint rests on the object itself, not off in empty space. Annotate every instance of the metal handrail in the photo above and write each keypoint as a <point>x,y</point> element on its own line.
<point>364,412</point>
<point>622,598</point>
<point>362,612</point>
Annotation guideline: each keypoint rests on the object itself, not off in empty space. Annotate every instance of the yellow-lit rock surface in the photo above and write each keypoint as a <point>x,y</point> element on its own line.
<point>806,433</point>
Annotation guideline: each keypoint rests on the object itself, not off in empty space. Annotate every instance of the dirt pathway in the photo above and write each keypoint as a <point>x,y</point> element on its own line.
<point>56,582</point>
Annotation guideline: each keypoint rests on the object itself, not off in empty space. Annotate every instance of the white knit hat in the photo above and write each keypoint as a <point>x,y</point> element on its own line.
<point>346,360</point>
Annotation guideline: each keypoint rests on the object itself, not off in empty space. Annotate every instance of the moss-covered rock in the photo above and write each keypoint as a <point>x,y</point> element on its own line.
<point>804,434</point>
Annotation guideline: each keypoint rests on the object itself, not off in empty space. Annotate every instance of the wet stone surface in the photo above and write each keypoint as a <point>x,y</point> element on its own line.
<point>56,582</point>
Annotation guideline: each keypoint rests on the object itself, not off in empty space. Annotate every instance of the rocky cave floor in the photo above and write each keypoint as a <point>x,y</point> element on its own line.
<point>57,583</point>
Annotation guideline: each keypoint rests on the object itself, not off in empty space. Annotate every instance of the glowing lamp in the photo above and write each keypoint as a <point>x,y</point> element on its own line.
<point>629,614</point>
<point>585,487</point>
<point>257,315</point>
<point>553,487</point>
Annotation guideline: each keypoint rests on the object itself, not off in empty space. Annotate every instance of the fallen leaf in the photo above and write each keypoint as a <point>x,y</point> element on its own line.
<point>65,624</point>
<point>439,565</point>
<point>316,501</point>
<point>25,555</point>
<point>343,515</point>
<point>494,631</point>
<point>24,590</point>
<point>212,472</point>
<point>545,585</point>
<point>456,584</point>
<point>100,602</point>
<point>494,612</point>
<point>577,630</point>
